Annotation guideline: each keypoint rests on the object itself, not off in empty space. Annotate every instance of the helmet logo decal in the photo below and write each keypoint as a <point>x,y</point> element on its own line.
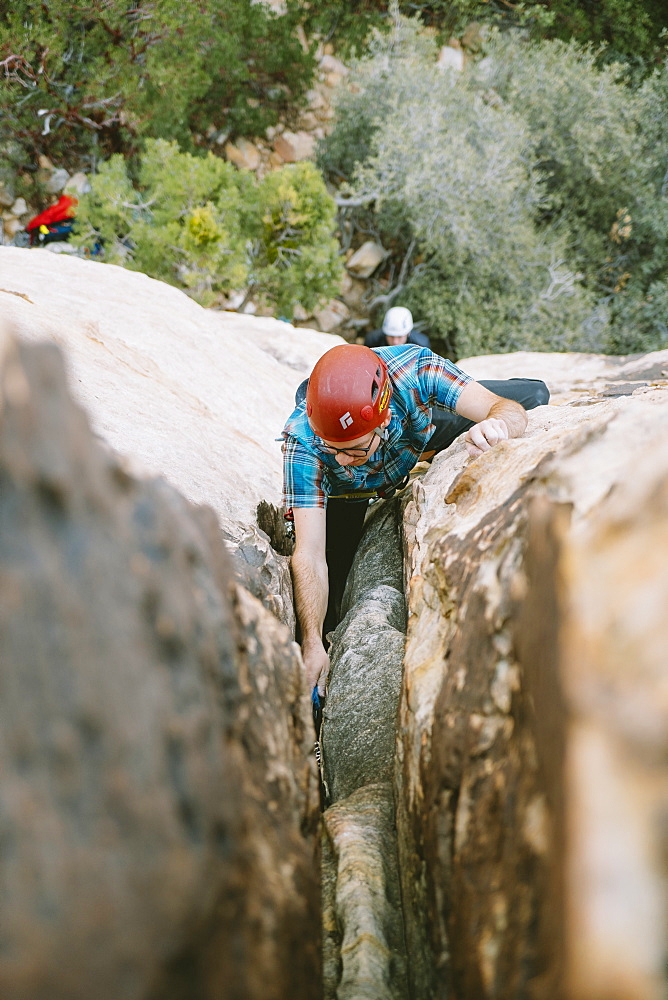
<point>346,420</point>
<point>384,396</point>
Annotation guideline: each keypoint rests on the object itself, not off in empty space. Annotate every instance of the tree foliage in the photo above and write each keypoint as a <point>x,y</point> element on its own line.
<point>636,267</point>
<point>630,31</point>
<point>81,80</point>
<point>506,190</point>
<point>87,79</point>
<point>294,256</point>
<point>200,224</point>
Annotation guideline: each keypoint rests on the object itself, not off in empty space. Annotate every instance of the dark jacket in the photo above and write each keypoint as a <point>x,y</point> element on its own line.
<point>378,339</point>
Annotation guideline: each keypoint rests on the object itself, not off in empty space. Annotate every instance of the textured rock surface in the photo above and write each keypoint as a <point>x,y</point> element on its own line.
<point>613,659</point>
<point>525,715</point>
<point>157,801</point>
<point>266,574</point>
<point>364,951</point>
<point>365,260</point>
<point>358,733</point>
<point>363,918</point>
<point>195,395</point>
<point>575,377</point>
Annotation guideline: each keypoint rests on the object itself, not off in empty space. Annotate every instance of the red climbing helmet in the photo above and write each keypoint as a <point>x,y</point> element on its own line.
<point>348,393</point>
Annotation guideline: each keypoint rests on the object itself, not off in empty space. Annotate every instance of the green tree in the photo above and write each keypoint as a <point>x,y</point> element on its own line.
<point>86,79</point>
<point>601,149</point>
<point>581,126</point>
<point>294,256</point>
<point>201,224</point>
<point>635,274</point>
<point>628,30</point>
<point>503,192</point>
<point>448,171</point>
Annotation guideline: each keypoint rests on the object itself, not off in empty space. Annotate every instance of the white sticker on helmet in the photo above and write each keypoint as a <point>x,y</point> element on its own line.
<point>346,420</point>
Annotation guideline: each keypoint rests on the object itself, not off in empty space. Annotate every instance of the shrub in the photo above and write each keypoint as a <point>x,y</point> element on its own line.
<point>294,255</point>
<point>637,259</point>
<point>505,191</point>
<point>202,225</point>
<point>625,29</point>
<point>601,149</point>
<point>630,31</point>
<point>383,79</point>
<point>88,79</point>
<point>581,129</point>
<point>449,168</point>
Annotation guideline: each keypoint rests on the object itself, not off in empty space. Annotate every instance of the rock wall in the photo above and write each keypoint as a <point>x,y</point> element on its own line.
<point>531,784</point>
<point>192,394</point>
<point>158,799</point>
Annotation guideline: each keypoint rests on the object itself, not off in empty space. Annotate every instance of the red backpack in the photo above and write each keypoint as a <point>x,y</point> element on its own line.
<point>54,223</point>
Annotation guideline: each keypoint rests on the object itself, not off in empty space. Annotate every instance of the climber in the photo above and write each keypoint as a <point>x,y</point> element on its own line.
<point>397,329</point>
<point>362,421</point>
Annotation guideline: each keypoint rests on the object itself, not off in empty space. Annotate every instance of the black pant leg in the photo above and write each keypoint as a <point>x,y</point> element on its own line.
<point>529,392</point>
<point>345,523</point>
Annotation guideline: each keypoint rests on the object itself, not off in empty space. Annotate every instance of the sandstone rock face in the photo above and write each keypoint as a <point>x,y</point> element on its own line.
<point>158,804</point>
<point>576,378</point>
<point>7,196</point>
<point>10,225</point>
<point>57,181</point>
<point>364,949</point>
<point>77,184</point>
<point>531,784</point>
<point>612,649</point>
<point>265,574</point>
<point>195,395</point>
<point>330,64</point>
<point>158,797</point>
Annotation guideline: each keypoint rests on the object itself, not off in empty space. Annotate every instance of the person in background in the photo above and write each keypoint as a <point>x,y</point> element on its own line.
<point>397,329</point>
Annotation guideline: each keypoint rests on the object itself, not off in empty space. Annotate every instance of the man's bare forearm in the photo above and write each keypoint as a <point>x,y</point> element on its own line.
<point>513,415</point>
<point>311,590</point>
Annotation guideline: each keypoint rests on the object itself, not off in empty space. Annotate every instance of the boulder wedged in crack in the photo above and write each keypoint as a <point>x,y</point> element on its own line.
<point>364,938</point>
<point>359,724</point>
<point>358,734</point>
<point>363,903</point>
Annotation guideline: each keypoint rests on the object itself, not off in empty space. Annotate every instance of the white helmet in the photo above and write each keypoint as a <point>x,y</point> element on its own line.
<point>398,322</point>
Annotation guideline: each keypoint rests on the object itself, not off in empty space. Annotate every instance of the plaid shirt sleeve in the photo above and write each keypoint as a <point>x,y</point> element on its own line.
<point>302,476</point>
<point>440,381</point>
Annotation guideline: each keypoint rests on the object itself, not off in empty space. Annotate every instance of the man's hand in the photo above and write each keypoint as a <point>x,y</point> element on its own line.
<point>309,577</point>
<point>497,419</point>
<point>316,662</point>
<point>485,435</point>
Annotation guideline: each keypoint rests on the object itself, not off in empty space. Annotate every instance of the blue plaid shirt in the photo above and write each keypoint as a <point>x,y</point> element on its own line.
<point>420,380</point>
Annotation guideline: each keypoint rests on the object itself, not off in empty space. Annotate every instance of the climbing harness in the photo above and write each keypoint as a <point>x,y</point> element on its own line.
<point>385,492</point>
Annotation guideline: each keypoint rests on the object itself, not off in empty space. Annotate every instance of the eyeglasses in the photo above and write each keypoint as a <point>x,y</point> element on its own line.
<point>327,449</point>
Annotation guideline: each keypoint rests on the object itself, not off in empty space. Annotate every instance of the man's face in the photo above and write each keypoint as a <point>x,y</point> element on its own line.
<point>369,444</point>
<point>395,341</point>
